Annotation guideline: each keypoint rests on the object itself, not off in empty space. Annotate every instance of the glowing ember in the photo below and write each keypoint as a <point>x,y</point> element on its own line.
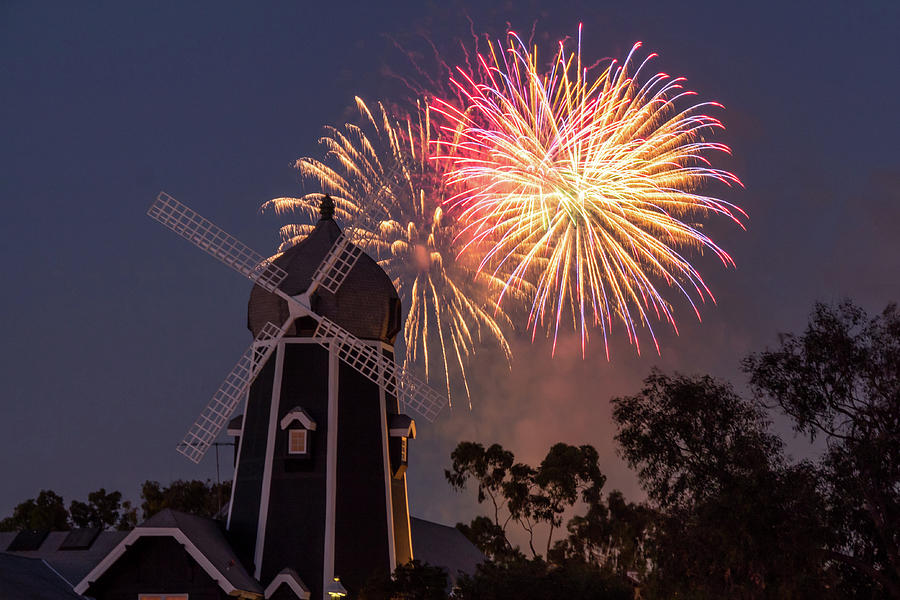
<point>581,185</point>
<point>415,242</point>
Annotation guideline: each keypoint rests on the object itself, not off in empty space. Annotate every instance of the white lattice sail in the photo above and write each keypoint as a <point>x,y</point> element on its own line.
<point>215,416</point>
<point>382,371</point>
<point>216,242</point>
<point>343,254</point>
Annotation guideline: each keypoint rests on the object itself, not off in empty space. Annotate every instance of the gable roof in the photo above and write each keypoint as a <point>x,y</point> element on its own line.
<point>24,578</point>
<point>201,537</point>
<point>298,414</point>
<point>290,578</point>
<point>72,565</point>
<point>444,546</point>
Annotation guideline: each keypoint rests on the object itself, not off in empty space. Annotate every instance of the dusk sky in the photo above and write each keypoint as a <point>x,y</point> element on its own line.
<point>116,332</point>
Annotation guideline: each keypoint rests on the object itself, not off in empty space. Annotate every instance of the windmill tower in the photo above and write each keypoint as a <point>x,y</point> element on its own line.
<point>320,484</point>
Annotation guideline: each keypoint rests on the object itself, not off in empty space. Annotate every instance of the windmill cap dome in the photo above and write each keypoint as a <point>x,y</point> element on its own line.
<point>366,304</point>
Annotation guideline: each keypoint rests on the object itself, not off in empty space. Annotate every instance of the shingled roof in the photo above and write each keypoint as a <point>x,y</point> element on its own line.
<point>444,546</point>
<point>204,541</point>
<point>24,578</point>
<point>72,565</point>
<point>366,305</point>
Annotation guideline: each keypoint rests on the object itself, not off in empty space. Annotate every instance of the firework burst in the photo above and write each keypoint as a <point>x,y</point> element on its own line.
<point>582,185</point>
<point>414,240</point>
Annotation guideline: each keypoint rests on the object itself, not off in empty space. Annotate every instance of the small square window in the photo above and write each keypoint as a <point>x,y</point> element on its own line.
<point>296,441</point>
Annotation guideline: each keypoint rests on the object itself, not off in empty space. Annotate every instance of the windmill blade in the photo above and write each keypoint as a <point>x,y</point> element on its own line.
<point>336,265</point>
<point>343,254</point>
<point>382,371</point>
<point>216,242</point>
<point>214,417</point>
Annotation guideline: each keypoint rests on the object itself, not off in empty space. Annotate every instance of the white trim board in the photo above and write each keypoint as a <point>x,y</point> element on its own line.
<point>182,539</point>
<point>334,364</point>
<point>295,583</point>
<point>298,414</point>
<point>386,466</point>
<point>270,457</point>
<point>237,463</point>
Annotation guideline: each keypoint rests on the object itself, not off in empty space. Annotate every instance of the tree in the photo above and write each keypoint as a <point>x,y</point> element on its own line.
<point>103,510</point>
<point>524,579</point>
<point>411,581</point>
<point>522,494</point>
<point>841,380</point>
<point>46,512</point>
<point>490,470</point>
<point>488,537</point>
<point>733,519</point>
<point>615,536</point>
<point>194,497</point>
<point>567,474</point>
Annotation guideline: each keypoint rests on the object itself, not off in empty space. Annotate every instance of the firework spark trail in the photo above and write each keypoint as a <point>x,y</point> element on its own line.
<point>580,185</point>
<point>416,242</point>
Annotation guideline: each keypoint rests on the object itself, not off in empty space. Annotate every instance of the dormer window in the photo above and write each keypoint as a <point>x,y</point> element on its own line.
<point>299,426</point>
<point>401,429</point>
<point>297,441</point>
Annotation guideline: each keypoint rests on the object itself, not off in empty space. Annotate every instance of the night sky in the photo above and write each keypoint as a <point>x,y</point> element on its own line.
<point>116,332</point>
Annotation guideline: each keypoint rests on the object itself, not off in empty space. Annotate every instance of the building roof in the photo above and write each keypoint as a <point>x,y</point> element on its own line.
<point>24,578</point>
<point>444,546</point>
<point>72,565</point>
<point>201,537</point>
<point>402,425</point>
<point>27,575</point>
<point>291,579</point>
<point>366,304</point>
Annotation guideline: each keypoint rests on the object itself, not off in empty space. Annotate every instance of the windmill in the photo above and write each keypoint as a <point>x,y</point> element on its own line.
<point>309,501</point>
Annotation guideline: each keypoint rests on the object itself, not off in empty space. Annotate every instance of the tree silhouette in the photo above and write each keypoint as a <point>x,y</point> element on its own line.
<point>840,380</point>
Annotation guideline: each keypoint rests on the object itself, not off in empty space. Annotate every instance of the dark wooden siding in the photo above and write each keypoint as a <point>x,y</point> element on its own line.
<point>155,565</point>
<point>361,534</point>
<point>295,535</point>
<point>251,463</point>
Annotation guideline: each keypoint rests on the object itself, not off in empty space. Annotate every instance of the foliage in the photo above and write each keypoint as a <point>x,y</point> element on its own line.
<point>488,537</point>
<point>616,536</point>
<point>412,581</point>
<point>534,579</point>
<point>840,379</point>
<point>46,512</point>
<point>734,520</point>
<point>687,436</point>
<point>103,510</point>
<point>196,497</point>
<point>106,510</point>
<point>522,494</point>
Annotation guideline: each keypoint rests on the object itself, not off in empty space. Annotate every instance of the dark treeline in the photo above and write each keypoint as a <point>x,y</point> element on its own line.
<point>728,514</point>
<point>107,510</point>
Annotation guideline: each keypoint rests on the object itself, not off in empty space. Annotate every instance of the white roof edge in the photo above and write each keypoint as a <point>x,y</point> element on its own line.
<point>409,432</point>
<point>174,532</point>
<point>296,585</point>
<point>298,414</point>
